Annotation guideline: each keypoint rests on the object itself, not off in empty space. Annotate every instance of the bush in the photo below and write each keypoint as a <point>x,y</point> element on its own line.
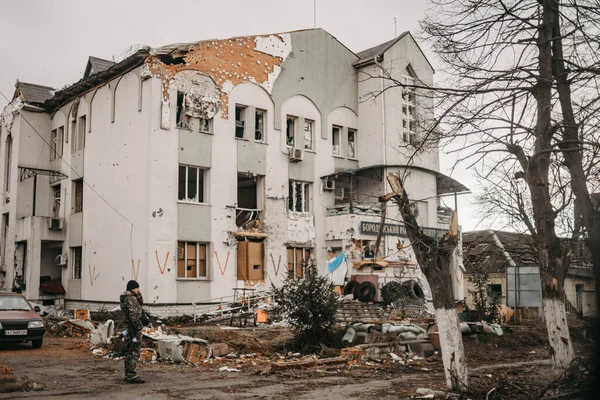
<point>309,305</point>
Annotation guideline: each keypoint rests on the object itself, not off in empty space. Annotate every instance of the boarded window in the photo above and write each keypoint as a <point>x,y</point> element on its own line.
<point>250,261</point>
<point>191,260</point>
<point>78,195</point>
<point>298,258</point>
<point>77,262</point>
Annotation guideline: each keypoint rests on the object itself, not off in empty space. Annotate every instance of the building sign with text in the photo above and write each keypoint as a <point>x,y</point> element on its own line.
<point>372,228</point>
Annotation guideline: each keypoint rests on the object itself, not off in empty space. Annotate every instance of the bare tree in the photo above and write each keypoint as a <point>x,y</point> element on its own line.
<point>434,257</point>
<point>522,83</point>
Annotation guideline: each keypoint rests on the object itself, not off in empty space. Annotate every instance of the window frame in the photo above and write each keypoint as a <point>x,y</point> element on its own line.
<point>77,256</point>
<point>241,122</point>
<point>197,260</point>
<point>199,183</point>
<point>298,270</point>
<point>409,110</point>
<point>77,183</point>
<point>294,121</point>
<point>81,125</point>
<point>305,190</point>
<point>355,150</point>
<point>311,123</point>
<point>263,118</point>
<point>336,129</point>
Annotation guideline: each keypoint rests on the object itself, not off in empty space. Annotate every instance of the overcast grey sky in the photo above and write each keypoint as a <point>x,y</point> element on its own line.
<point>48,41</point>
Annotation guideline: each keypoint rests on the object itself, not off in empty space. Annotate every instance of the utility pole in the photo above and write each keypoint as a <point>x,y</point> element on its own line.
<point>315,12</point>
<point>395,34</point>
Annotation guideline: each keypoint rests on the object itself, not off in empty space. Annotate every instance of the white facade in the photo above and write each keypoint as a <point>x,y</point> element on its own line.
<point>163,194</point>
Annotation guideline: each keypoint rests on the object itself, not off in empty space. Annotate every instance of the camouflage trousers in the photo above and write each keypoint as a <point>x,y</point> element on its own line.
<point>132,354</point>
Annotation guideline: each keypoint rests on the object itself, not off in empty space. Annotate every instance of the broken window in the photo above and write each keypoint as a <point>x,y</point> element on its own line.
<point>298,258</point>
<point>409,110</point>
<point>309,134</point>
<point>81,133</point>
<point>351,143</point>
<point>78,190</point>
<point>336,136</point>
<point>299,196</point>
<point>240,122</point>
<point>494,291</point>
<point>290,130</point>
<point>7,163</point>
<point>56,200</point>
<point>57,140</point>
<point>53,144</point>
<point>250,256</point>
<point>191,260</point>
<point>76,252</point>
<point>259,125</point>
<point>73,136</point>
<point>191,184</point>
<point>205,125</point>
<point>183,120</point>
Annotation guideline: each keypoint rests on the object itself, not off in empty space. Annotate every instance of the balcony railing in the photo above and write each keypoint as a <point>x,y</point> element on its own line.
<point>245,217</point>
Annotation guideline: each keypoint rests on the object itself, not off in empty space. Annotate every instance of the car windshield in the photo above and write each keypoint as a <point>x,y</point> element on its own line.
<point>14,303</point>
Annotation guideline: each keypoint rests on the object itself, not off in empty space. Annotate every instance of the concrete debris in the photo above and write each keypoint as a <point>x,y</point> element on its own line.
<point>148,355</point>
<point>181,349</point>
<point>426,393</point>
<point>228,369</point>
<point>103,333</point>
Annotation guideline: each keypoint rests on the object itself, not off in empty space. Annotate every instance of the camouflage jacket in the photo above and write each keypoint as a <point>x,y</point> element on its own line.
<point>131,305</point>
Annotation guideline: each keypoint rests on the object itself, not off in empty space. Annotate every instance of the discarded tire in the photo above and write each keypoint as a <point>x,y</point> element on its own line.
<point>366,292</point>
<point>352,288</point>
<point>411,289</point>
<point>392,291</point>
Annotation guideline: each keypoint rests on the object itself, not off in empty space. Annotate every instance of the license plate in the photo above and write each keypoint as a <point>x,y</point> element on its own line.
<point>16,333</point>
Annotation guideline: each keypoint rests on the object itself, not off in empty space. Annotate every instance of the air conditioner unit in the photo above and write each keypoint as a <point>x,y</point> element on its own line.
<point>61,259</point>
<point>55,223</point>
<point>296,155</point>
<point>328,185</point>
<point>339,193</point>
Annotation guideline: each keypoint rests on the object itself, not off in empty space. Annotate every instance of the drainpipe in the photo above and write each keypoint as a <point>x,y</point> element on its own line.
<point>34,192</point>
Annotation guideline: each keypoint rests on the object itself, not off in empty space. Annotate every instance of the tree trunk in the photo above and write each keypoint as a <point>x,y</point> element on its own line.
<point>561,347</point>
<point>434,260</point>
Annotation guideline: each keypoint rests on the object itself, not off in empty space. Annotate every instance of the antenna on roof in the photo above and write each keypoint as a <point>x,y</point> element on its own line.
<point>315,12</point>
<point>394,27</point>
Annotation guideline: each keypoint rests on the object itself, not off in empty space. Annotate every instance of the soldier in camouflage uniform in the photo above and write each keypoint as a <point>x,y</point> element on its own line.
<point>131,305</point>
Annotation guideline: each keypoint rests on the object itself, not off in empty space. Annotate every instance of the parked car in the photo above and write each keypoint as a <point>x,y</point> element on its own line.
<point>19,321</point>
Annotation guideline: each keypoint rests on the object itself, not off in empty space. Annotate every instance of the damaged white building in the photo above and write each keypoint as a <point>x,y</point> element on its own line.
<point>199,168</point>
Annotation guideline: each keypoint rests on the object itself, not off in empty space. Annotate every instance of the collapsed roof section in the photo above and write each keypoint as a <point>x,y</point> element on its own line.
<point>32,94</point>
<point>497,250</point>
<point>228,62</point>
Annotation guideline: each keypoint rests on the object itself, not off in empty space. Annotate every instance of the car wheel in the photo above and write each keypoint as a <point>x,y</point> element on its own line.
<point>37,343</point>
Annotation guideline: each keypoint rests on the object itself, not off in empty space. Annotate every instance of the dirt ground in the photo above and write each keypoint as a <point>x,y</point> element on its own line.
<point>515,365</point>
